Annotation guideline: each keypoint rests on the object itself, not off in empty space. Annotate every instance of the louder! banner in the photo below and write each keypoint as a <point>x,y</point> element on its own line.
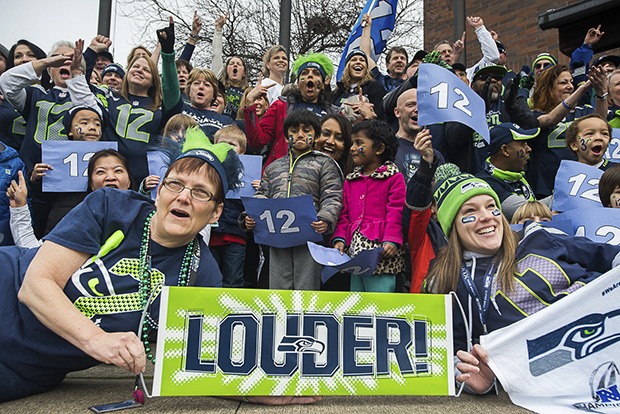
<point>223,342</point>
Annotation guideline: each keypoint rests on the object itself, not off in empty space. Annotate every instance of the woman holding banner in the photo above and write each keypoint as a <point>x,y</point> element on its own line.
<point>78,300</point>
<point>500,276</point>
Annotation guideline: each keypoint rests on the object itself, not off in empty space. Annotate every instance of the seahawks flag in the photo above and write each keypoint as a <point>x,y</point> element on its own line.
<point>383,13</point>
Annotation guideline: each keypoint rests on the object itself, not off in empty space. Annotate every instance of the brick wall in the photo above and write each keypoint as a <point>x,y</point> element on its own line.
<point>516,22</point>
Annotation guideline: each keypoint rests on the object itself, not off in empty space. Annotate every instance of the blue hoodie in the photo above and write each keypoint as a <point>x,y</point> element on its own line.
<point>10,163</point>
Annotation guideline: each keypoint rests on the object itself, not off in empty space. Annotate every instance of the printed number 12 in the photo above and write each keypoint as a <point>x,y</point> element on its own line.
<point>72,160</point>
<point>286,227</point>
<point>441,89</point>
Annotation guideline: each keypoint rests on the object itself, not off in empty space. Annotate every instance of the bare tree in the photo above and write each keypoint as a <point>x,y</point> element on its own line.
<point>252,26</point>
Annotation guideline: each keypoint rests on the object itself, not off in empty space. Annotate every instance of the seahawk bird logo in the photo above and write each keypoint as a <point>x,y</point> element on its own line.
<point>573,342</point>
<point>301,344</point>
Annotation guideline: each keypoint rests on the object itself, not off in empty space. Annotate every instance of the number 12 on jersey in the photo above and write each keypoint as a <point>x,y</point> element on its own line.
<point>282,222</point>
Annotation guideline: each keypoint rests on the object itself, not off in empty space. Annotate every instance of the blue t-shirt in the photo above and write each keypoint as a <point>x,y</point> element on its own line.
<point>233,100</point>
<point>105,289</point>
<point>408,158</point>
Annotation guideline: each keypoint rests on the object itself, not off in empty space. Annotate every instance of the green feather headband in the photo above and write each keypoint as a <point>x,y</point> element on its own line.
<point>220,156</point>
<point>316,60</point>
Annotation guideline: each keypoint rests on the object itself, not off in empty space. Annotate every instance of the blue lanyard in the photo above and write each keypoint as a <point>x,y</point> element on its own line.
<point>468,281</point>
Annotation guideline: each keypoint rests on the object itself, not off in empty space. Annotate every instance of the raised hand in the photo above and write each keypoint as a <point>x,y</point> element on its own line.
<point>596,75</point>
<point>165,37</point>
<point>76,63</point>
<point>475,21</point>
<point>423,143</point>
<point>459,44</point>
<point>487,93</point>
<point>17,192</point>
<point>511,91</point>
<point>366,20</point>
<point>100,43</point>
<point>221,21</point>
<point>196,25</point>
<point>593,36</point>
<point>258,91</point>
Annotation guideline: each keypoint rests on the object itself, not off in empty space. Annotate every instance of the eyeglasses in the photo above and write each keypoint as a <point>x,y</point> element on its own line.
<point>198,194</point>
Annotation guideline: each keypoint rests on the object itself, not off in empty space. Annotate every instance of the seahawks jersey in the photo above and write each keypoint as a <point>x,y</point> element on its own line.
<point>209,121</point>
<point>549,267</point>
<point>135,127</point>
<point>12,125</point>
<point>43,113</point>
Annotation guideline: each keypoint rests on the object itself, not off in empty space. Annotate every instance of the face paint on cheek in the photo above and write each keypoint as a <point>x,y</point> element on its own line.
<point>468,219</point>
<point>521,154</point>
<point>496,212</point>
<point>79,131</point>
<point>361,150</point>
<point>615,201</point>
<point>309,139</point>
<point>583,144</point>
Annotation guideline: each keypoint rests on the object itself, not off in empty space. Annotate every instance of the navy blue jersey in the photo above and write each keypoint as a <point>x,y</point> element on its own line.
<point>12,125</point>
<point>104,290</point>
<point>315,108</point>
<point>43,113</point>
<point>548,150</point>
<point>134,126</point>
<point>549,267</point>
<point>209,121</point>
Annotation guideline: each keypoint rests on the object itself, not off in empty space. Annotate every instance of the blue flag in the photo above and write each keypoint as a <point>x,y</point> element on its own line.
<point>282,222</point>
<point>383,13</point>
<point>576,186</point>
<point>70,162</point>
<point>158,164</point>
<point>600,224</point>
<point>613,150</point>
<point>252,165</point>
<point>444,97</point>
<point>363,264</point>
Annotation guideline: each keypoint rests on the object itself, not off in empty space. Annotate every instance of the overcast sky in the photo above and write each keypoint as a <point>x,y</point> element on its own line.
<point>43,22</point>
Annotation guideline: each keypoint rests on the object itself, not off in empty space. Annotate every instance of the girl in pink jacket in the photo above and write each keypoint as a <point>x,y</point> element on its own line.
<point>374,198</point>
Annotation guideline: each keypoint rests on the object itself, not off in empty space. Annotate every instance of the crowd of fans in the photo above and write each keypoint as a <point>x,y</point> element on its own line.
<point>378,179</point>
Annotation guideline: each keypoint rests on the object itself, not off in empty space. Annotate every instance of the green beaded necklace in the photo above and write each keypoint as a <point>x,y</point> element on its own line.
<point>144,284</point>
